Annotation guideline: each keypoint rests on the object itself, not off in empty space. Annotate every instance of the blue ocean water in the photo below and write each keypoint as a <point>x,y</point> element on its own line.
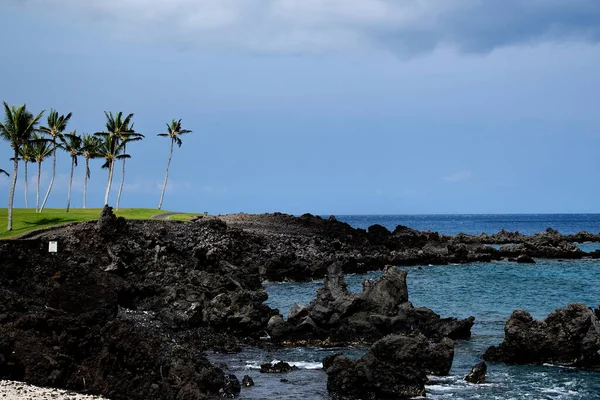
<point>488,291</point>
<point>481,223</point>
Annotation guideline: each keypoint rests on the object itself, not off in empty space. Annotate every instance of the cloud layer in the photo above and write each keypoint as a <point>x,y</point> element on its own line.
<point>316,26</point>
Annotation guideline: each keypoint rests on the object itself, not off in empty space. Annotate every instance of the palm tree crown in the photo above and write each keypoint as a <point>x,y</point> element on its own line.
<point>41,148</point>
<point>71,143</point>
<point>56,124</point>
<point>19,126</point>
<point>174,131</point>
<point>90,146</point>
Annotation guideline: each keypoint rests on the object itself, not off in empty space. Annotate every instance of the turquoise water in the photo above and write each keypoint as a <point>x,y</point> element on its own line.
<point>489,292</point>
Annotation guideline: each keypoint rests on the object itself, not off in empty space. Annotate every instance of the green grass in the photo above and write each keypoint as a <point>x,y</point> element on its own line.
<point>183,217</point>
<point>26,219</point>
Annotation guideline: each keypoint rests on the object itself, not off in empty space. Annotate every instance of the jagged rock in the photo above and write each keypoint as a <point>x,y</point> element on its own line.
<point>477,374</point>
<point>382,308</point>
<point>247,381</point>
<point>297,313</point>
<point>395,367</point>
<point>108,223</point>
<point>277,368</point>
<point>566,337</point>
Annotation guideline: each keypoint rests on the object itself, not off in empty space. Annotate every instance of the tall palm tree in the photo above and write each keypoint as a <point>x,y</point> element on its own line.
<point>18,128</point>
<point>89,147</point>
<point>26,154</point>
<point>110,149</point>
<point>122,129</point>
<point>173,131</point>
<point>56,126</point>
<point>41,149</point>
<point>71,143</point>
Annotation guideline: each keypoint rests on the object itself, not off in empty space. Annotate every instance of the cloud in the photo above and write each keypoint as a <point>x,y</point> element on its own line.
<point>317,26</point>
<point>460,176</point>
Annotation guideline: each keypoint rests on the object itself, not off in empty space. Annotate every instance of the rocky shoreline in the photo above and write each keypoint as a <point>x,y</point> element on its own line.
<point>125,309</point>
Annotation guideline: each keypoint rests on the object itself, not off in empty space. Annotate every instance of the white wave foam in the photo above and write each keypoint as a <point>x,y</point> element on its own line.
<point>253,364</point>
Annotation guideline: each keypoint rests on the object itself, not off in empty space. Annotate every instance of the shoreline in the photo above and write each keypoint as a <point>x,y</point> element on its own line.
<point>147,299</point>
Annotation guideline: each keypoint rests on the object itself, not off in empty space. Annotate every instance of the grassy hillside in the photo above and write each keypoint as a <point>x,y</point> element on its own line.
<point>26,219</point>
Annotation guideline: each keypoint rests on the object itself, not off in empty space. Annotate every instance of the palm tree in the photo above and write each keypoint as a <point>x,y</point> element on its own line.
<point>18,127</point>
<point>26,153</point>
<point>110,149</point>
<point>122,129</point>
<point>56,126</point>
<point>71,143</point>
<point>41,150</point>
<point>89,148</point>
<point>173,131</point>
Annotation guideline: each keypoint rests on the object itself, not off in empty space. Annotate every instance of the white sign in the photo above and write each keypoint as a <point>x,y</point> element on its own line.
<point>53,247</point>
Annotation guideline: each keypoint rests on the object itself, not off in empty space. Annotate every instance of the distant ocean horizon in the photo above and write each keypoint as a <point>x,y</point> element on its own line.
<point>475,224</point>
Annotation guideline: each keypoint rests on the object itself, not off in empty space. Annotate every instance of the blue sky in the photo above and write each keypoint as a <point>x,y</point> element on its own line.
<point>328,107</point>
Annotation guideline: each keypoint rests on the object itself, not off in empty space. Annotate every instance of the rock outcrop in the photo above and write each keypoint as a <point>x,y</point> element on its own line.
<point>566,337</point>
<point>477,374</point>
<point>341,316</point>
<point>125,309</point>
<point>395,367</point>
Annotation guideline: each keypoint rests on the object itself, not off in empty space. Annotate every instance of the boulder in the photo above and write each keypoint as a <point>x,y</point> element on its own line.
<point>247,381</point>
<point>568,336</point>
<point>395,367</point>
<point>525,259</point>
<point>477,374</point>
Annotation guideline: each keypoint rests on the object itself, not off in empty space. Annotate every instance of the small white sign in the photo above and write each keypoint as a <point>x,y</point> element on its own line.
<point>53,247</point>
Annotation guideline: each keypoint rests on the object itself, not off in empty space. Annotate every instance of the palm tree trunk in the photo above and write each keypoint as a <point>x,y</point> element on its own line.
<point>87,168</point>
<point>11,194</point>
<point>70,184</point>
<point>51,180</point>
<point>122,178</point>
<point>26,202</point>
<point>37,191</point>
<point>110,175</point>
<point>162,195</point>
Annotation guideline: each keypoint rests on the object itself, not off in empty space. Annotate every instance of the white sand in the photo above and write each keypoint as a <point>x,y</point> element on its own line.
<point>22,391</point>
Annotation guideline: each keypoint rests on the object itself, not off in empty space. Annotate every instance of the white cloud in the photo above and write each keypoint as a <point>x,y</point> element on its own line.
<point>313,26</point>
<point>460,176</point>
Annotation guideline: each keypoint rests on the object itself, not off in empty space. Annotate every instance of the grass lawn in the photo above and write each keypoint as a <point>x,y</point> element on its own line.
<point>183,217</point>
<point>26,219</point>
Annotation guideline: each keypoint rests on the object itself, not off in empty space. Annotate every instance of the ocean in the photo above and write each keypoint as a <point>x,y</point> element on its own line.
<point>487,291</point>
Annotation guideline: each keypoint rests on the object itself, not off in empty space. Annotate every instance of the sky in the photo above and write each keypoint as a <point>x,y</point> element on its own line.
<point>320,106</point>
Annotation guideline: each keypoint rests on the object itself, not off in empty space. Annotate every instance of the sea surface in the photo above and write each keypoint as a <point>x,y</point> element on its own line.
<point>487,291</point>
